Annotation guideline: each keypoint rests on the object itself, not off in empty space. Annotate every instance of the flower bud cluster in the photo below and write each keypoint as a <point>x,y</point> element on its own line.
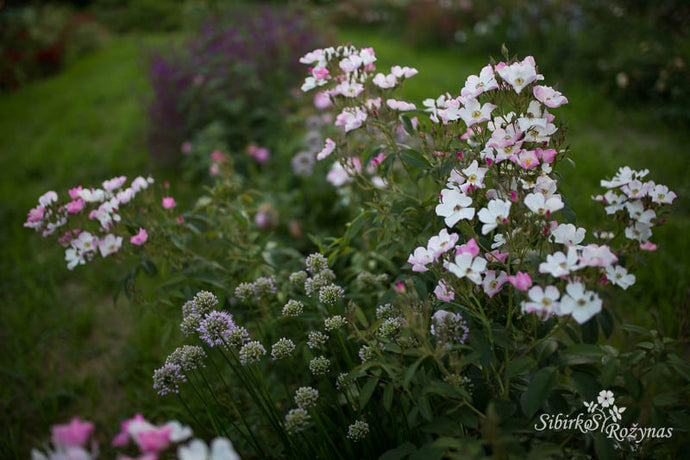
<point>261,288</point>
<point>252,352</point>
<point>320,365</point>
<point>282,349</point>
<point>449,328</point>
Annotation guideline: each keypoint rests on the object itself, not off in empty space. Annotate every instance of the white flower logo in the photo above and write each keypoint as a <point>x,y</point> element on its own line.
<point>605,398</point>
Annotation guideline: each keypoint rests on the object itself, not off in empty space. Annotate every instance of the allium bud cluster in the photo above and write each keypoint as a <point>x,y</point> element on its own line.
<point>334,322</point>
<point>260,289</point>
<point>449,328</point>
<point>252,352</point>
<point>297,420</point>
<point>358,430</point>
<point>306,397</point>
<point>331,294</point>
<point>282,349</point>
<point>188,357</point>
<point>298,278</point>
<point>320,365</point>
<point>316,339</point>
<point>293,308</point>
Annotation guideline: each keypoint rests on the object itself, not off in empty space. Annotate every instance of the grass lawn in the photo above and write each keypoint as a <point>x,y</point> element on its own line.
<point>66,349</point>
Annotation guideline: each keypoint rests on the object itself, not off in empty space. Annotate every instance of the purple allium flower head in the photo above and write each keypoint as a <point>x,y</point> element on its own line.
<point>216,327</point>
<point>167,379</point>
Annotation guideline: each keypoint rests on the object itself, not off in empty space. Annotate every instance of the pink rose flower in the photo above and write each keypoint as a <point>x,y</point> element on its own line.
<point>140,238</point>
<point>169,202</point>
<point>74,434</point>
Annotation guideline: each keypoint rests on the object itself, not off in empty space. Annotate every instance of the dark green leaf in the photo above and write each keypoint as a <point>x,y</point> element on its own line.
<point>539,389</point>
<point>388,397</point>
<point>608,373</point>
<point>665,399</point>
<point>603,446</point>
<point>425,408</point>
<point>518,365</point>
<point>148,267</point>
<point>409,374</point>
<point>367,391</point>
<point>680,366</point>
<point>407,124</point>
<point>427,453</point>
<point>414,159</point>
<point>590,331</point>
<point>399,452</point>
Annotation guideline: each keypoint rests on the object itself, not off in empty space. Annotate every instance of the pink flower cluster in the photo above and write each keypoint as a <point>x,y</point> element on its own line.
<point>259,154</point>
<point>517,182</point>
<point>149,438</point>
<point>70,440</point>
<point>100,205</point>
<point>352,71</point>
<point>636,202</point>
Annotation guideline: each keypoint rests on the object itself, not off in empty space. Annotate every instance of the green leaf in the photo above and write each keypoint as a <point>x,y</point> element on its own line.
<point>582,353</point>
<point>539,389</point>
<point>148,267</point>
<point>359,314</point>
<point>604,447</point>
<point>425,408</point>
<point>665,399</point>
<point>367,391</point>
<point>388,397</point>
<point>633,385</point>
<point>518,366</point>
<point>680,366</point>
<point>355,226</point>
<point>414,159</point>
<point>407,124</point>
<point>427,453</point>
<point>608,373</point>
<point>590,331</point>
<point>585,384</point>
<point>447,390</point>
<point>410,372</point>
<point>636,329</point>
<point>442,426</point>
<point>399,452</point>
<point>568,212</point>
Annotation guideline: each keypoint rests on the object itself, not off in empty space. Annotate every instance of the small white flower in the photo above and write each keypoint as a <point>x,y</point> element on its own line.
<point>619,276</point>
<point>638,231</point>
<point>568,235</point>
<point>539,204</point>
<point>474,175</point>
<point>454,207</point>
<point>441,243</point>
<point>499,240</point>
<point>558,264</point>
<point>579,303</point>
<point>468,266</point>
<point>495,213</point>
<point>542,301</point>
<point>221,449</point>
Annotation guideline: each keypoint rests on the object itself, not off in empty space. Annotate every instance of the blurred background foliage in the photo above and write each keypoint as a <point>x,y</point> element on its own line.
<point>95,88</point>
